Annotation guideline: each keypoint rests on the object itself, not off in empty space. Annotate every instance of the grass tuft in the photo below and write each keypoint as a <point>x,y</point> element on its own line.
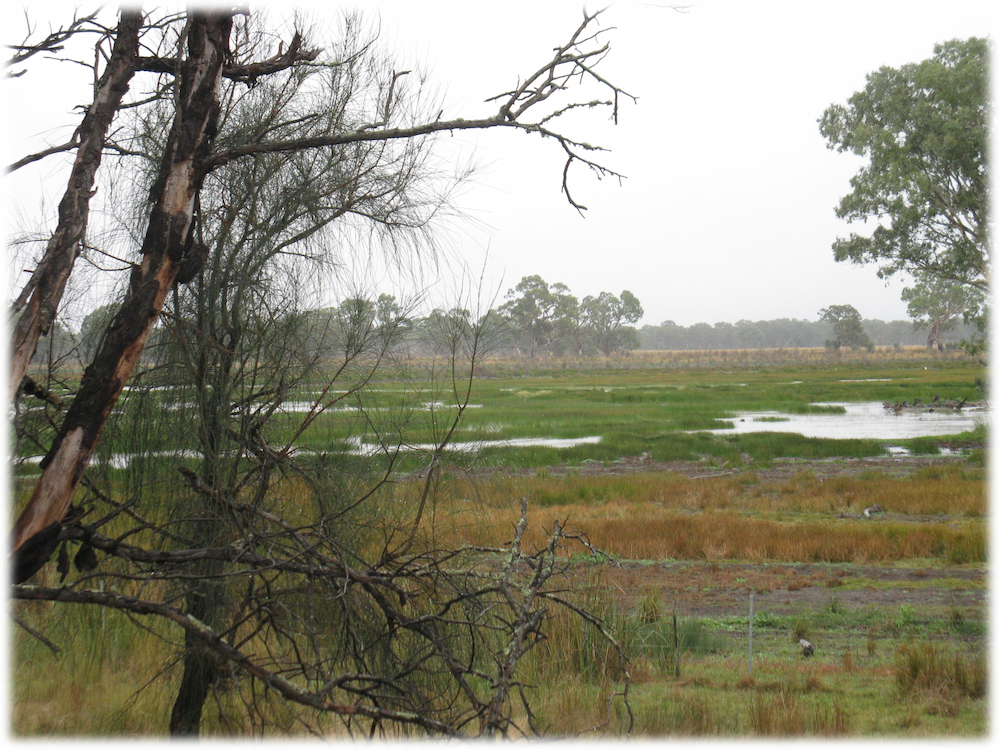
<point>927,668</point>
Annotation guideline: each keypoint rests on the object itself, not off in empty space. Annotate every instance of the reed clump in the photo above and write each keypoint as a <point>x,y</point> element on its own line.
<point>926,668</point>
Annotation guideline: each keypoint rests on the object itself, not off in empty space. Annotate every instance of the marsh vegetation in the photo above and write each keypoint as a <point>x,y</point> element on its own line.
<point>689,524</point>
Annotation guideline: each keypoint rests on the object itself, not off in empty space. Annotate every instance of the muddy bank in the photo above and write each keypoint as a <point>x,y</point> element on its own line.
<point>721,589</point>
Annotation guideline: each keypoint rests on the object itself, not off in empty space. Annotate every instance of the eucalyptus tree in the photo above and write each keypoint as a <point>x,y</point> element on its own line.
<point>607,318</point>
<point>257,173</point>
<point>939,306</point>
<point>923,130</point>
<point>848,328</point>
<point>570,331</point>
<point>533,309</point>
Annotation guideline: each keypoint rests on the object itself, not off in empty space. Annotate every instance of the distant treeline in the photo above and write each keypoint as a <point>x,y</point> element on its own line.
<point>533,323</point>
<point>784,333</point>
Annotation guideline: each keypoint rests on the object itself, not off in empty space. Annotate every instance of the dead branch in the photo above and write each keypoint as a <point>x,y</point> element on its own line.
<point>217,644</point>
<point>570,62</point>
<point>39,301</point>
<point>35,634</point>
<point>53,42</point>
<point>248,73</point>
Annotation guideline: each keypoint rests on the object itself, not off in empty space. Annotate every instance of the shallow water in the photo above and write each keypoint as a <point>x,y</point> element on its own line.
<point>865,420</point>
<point>472,446</point>
<point>305,407</point>
<point>359,448</point>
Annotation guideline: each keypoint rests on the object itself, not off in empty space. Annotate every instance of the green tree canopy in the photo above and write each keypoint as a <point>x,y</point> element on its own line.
<point>939,305</point>
<point>847,327</point>
<point>532,309</point>
<point>923,129</point>
<point>607,315</point>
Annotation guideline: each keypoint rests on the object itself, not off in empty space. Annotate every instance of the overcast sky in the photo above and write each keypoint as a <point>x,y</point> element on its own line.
<point>727,209</point>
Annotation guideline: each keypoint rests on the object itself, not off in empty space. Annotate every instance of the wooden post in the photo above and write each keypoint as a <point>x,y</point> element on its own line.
<point>677,652</point>
<point>750,663</point>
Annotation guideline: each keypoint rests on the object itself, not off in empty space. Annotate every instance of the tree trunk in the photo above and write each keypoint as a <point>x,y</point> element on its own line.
<point>201,666</point>
<point>199,672</point>
<point>39,300</point>
<point>166,240</point>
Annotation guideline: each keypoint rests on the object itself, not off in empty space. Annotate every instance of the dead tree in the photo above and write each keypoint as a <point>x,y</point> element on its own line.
<point>268,547</point>
<point>36,306</point>
<point>166,240</point>
<point>438,635</point>
<point>186,161</point>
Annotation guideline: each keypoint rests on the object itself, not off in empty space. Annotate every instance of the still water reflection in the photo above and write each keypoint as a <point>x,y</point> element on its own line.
<point>862,420</point>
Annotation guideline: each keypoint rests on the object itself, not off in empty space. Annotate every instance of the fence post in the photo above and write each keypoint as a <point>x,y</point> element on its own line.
<point>677,652</point>
<point>751,636</point>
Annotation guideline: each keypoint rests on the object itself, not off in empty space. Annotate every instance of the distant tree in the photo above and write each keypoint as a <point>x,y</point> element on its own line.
<point>751,335</point>
<point>848,327</point>
<point>776,334</point>
<point>725,335</point>
<point>389,312</point>
<point>700,336</point>
<point>93,328</point>
<point>441,328</point>
<point>939,305</point>
<point>923,130</point>
<point>570,333</point>
<point>532,310</point>
<point>607,315</point>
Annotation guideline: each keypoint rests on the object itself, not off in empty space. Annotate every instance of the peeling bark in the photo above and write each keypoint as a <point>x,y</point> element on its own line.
<point>164,246</point>
<point>39,300</point>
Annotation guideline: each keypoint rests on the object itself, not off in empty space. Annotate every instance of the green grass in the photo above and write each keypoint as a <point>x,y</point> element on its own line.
<point>99,684</point>
<point>635,406</point>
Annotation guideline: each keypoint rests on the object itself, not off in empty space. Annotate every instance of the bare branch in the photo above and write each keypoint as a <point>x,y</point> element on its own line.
<point>35,634</point>
<point>216,643</point>
<point>53,42</point>
<point>553,78</point>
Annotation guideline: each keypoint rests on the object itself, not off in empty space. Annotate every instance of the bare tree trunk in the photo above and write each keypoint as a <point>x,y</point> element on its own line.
<point>201,665</point>
<point>39,300</point>
<point>166,241</point>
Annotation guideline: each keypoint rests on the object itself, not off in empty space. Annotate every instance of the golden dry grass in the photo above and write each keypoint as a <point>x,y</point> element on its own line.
<point>805,519</point>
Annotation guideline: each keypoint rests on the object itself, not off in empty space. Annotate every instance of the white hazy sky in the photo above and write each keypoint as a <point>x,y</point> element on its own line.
<point>727,212</point>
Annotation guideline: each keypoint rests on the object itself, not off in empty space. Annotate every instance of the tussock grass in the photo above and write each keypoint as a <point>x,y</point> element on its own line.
<point>778,715</point>
<point>953,490</point>
<point>735,537</point>
<point>99,685</point>
<point>666,516</point>
<point>928,668</point>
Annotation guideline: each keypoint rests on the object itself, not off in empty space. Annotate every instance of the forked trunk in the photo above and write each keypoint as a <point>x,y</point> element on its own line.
<point>166,240</point>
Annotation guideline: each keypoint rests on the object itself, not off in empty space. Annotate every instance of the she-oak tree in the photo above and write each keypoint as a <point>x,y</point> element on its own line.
<point>422,596</point>
<point>189,156</point>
